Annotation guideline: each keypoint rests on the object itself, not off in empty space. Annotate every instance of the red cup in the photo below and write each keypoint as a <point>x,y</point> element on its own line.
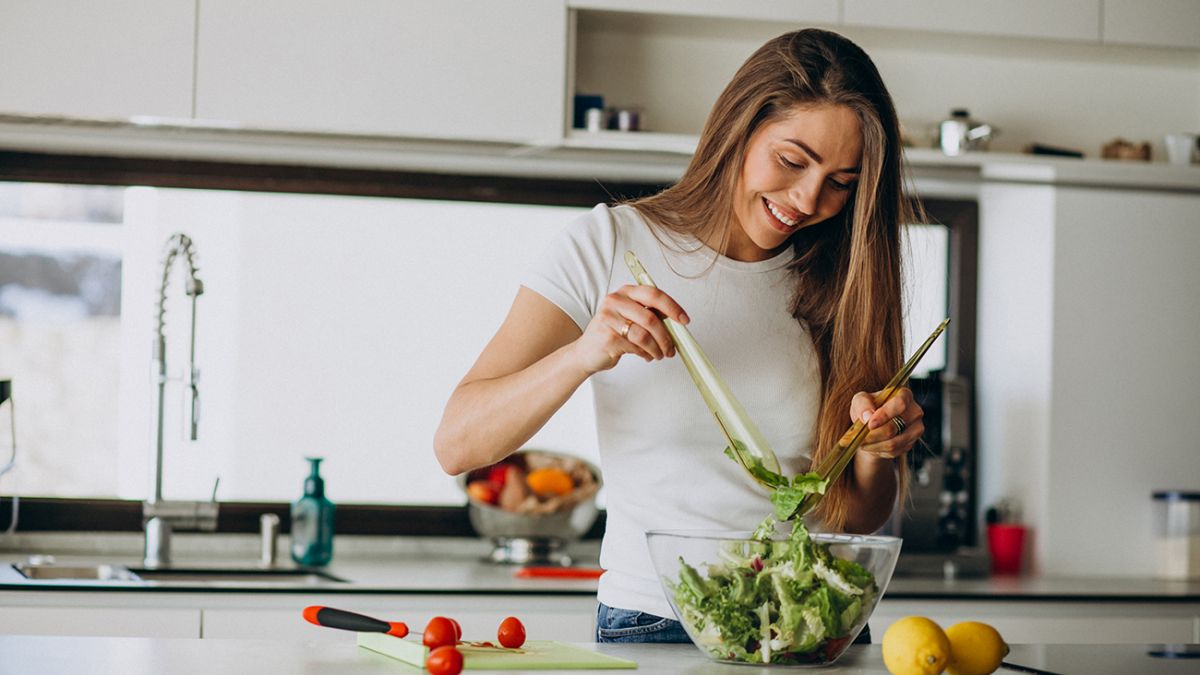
<point>1007,546</point>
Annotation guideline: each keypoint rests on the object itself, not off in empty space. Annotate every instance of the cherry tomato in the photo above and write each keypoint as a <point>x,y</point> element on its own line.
<point>444,660</point>
<point>439,632</point>
<point>457,630</point>
<point>511,633</point>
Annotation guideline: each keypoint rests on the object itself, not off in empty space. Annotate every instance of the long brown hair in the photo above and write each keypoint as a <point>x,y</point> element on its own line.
<point>847,268</point>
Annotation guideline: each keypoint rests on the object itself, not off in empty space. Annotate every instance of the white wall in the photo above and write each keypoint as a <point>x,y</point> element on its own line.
<point>1077,96</point>
<point>1014,346</point>
<point>1073,95</point>
<point>328,325</point>
<point>338,326</point>
<point>331,326</point>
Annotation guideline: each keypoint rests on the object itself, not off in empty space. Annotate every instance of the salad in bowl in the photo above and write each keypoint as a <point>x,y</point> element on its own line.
<point>772,599</point>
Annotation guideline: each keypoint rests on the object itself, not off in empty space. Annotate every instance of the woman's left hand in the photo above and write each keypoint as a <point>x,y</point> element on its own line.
<point>888,438</point>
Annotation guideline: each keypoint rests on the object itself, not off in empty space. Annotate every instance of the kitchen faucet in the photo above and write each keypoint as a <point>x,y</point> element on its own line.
<point>159,516</point>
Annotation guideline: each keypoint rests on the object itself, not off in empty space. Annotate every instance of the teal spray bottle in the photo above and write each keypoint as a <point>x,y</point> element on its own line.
<point>312,521</point>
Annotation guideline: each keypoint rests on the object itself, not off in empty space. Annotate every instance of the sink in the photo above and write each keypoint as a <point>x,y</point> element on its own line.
<point>83,572</point>
<point>294,576</point>
<point>170,575</point>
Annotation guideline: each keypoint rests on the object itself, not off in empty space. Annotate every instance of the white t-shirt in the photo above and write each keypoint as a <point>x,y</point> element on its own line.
<point>661,451</point>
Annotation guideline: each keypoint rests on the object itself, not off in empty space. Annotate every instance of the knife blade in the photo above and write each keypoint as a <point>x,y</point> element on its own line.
<point>1025,669</point>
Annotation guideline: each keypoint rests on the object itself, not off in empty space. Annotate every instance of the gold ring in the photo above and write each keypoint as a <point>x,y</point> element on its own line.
<point>625,328</point>
<point>900,425</point>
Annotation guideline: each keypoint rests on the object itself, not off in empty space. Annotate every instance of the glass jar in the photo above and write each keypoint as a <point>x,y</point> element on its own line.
<point>1177,513</point>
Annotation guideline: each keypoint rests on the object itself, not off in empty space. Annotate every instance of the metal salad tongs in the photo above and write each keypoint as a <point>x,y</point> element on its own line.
<point>831,468</point>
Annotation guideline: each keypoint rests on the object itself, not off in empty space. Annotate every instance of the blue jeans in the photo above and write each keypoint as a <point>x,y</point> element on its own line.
<point>627,625</point>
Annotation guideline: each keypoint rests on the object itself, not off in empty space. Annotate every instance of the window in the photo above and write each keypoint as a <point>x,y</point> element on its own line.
<point>926,250</point>
<point>60,334</point>
<point>329,326</point>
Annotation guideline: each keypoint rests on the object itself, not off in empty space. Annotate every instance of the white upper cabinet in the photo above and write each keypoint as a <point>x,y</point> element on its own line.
<point>112,59</point>
<point>445,69</point>
<point>1060,19</point>
<point>813,11</point>
<point>1159,23</point>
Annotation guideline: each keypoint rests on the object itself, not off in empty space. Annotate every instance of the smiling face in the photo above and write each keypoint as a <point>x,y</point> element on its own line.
<point>799,170</point>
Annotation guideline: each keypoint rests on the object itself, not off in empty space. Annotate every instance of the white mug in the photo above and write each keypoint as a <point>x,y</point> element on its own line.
<point>1181,148</point>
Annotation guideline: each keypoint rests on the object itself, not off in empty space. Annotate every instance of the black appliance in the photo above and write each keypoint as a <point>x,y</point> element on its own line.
<point>940,513</point>
<point>938,520</point>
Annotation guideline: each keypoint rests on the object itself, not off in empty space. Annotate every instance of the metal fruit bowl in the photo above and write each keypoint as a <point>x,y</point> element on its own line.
<point>524,538</point>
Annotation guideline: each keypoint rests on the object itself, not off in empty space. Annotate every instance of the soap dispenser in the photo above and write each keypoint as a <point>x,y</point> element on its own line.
<point>312,521</point>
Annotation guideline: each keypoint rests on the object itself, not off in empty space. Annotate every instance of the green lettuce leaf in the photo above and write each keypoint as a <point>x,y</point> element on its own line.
<point>754,466</point>
<point>788,497</point>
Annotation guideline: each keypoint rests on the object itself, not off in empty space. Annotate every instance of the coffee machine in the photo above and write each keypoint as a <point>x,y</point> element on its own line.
<point>940,513</point>
<point>938,519</point>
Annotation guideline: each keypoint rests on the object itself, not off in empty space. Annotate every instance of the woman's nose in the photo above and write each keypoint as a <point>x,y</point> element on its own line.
<point>805,195</point>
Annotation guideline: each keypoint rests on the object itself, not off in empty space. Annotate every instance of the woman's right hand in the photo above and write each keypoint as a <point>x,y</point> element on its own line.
<point>627,322</point>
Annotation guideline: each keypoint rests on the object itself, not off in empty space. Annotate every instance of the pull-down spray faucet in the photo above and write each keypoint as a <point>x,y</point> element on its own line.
<point>161,516</point>
<point>180,244</point>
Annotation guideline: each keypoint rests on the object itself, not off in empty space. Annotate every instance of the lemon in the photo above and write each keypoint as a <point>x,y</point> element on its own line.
<point>915,645</point>
<point>975,648</point>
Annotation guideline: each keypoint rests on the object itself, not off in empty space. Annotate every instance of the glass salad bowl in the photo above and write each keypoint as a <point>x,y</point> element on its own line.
<point>762,598</point>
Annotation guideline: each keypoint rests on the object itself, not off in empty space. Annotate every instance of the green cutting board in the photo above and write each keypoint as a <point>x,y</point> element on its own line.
<point>534,655</point>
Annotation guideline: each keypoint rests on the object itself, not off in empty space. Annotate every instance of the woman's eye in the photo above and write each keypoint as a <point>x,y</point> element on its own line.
<point>840,186</point>
<point>789,163</point>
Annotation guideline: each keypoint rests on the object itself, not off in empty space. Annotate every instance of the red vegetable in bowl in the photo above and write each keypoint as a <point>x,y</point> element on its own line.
<point>483,491</point>
<point>498,474</point>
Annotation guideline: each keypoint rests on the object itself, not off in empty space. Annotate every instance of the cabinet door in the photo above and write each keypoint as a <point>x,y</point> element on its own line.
<point>447,69</point>
<point>1061,19</point>
<point>809,11</point>
<point>273,624</point>
<point>1160,23</point>
<point>1035,622</point>
<point>100,621</point>
<point>112,59</point>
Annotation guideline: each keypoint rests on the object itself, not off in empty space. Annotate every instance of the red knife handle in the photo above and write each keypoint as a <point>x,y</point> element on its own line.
<point>533,571</point>
<point>340,618</point>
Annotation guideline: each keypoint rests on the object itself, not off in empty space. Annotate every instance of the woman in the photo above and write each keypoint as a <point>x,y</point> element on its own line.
<point>781,241</point>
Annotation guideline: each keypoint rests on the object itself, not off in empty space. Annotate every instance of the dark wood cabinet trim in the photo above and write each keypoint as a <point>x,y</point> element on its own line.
<point>45,514</point>
<point>212,175</point>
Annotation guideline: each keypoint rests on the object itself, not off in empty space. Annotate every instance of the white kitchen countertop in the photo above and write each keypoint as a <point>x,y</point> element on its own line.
<point>146,656</point>
<point>456,565</point>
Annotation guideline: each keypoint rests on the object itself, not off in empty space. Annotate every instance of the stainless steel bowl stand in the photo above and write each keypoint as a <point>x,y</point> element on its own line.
<point>529,551</point>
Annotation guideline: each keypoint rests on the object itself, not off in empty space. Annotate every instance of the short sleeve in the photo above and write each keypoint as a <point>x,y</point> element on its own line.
<point>575,269</point>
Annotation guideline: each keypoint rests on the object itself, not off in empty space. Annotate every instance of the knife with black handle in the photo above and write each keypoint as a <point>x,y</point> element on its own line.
<point>341,619</point>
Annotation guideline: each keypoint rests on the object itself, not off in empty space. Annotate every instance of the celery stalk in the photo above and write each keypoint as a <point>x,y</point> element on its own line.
<point>746,443</point>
